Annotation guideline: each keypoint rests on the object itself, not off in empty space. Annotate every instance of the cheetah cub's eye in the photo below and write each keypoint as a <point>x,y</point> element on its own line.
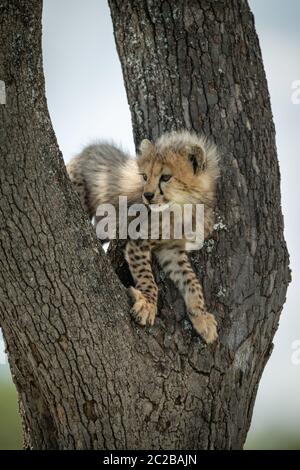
<point>144,176</point>
<point>165,177</point>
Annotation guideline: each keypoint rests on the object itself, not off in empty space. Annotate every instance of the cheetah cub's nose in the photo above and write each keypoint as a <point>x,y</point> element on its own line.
<point>148,196</point>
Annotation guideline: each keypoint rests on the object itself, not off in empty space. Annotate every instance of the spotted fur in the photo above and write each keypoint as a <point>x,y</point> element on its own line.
<point>180,167</point>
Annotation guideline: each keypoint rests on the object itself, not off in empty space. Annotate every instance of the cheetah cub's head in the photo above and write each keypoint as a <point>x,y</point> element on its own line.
<point>180,167</point>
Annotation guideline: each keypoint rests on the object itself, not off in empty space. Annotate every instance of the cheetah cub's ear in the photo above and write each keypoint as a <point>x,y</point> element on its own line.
<point>145,146</point>
<point>197,158</point>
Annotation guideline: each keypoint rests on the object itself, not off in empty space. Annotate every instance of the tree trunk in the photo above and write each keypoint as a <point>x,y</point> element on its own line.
<point>198,65</point>
<point>87,377</point>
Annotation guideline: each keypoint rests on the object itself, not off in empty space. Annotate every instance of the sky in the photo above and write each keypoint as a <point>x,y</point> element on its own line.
<point>87,101</point>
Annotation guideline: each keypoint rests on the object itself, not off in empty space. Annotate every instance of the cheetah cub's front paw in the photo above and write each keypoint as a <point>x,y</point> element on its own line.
<point>206,325</point>
<point>142,311</point>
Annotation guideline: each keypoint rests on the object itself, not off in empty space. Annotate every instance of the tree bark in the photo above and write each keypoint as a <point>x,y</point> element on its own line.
<point>87,377</point>
<point>198,65</point>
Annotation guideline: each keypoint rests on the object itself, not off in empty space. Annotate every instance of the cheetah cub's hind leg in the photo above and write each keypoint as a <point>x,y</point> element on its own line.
<point>176,264</point>
<point>144,294</point>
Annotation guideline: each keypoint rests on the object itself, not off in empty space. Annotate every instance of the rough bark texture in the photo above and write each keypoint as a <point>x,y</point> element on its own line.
<point>86,376</point>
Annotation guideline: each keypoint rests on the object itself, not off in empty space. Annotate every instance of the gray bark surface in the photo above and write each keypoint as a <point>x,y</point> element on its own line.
<point>87,377</point>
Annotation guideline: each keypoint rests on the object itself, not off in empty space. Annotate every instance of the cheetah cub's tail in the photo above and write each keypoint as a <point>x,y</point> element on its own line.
<point>101,173</point>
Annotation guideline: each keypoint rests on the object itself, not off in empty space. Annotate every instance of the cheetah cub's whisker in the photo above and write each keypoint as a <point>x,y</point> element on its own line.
<point>179,168</point>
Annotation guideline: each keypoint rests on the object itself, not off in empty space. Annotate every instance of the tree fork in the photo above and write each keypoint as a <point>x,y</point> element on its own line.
<point>87,377</point>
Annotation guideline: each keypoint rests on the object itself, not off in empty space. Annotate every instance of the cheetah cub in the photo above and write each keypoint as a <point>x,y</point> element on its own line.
<point>180,167</point>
